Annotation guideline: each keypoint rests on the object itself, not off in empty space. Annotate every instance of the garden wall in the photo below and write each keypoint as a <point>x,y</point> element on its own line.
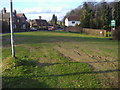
<point>116,34</point>
<point>73,29</point>
<point>96,32</point>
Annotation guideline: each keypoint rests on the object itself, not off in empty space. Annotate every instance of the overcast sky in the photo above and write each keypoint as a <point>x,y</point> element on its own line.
<point>45,8</point>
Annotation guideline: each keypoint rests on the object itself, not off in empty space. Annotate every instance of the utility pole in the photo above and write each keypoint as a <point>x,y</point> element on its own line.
<point>2,16</point>
<point>11,27</point>
<point>1,21</point>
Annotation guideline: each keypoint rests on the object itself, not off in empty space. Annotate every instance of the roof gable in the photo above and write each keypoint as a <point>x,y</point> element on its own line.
<point>41,22</point>
<point>73,18</point>
<point>21,15</point>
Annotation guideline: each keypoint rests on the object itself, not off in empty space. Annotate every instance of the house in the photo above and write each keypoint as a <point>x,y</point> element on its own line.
<point>72,21</point>
<point>39,23</point>
<point>5,19</point>
<point>22,21</point>
<point>19,21</point>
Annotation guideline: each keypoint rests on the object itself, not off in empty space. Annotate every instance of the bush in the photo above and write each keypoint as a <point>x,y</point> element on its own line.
<point>95,32</point>
<point>116,33</point>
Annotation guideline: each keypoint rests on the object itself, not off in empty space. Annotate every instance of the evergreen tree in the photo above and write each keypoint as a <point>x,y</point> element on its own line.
<point>54,20</point>
<point>117,13</point>
<point>85,17</point>
<point>97,15</point>
<point>105,16</point>
<point>91,22</point>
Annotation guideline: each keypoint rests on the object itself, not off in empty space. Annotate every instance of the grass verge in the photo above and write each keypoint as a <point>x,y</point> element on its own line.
<point>57,60</point>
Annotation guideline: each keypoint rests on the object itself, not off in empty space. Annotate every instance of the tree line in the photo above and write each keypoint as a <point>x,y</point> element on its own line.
<point>53,21</point>
<point>97,15</point>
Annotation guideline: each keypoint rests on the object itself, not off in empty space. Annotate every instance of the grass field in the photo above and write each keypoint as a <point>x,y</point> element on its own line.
<point>60,60</point>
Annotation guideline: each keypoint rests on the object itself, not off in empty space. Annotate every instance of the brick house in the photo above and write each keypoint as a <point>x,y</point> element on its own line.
<point>39,23</point>
<point>19,21</point>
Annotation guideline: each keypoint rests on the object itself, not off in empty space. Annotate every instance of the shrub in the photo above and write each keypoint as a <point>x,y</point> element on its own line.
<point>96,32</point>
<point>116,33</point>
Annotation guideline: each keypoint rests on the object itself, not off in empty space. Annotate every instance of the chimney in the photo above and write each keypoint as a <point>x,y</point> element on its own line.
<point>40,17</point>
<point>15,12</point>
<point>4,10</point>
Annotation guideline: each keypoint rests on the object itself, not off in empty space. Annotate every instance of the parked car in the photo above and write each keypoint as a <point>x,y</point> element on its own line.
<point>33,28</point>
<point>51,28</point>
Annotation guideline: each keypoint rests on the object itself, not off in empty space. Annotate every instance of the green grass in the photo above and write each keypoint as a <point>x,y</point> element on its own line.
<point>59,75</point>
<point>51,60</point>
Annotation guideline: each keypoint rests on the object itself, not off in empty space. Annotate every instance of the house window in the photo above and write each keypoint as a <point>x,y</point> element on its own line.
<point>18,20</point>
<point>24,26</point>
<point>73,22</point>
<point>14,26</point>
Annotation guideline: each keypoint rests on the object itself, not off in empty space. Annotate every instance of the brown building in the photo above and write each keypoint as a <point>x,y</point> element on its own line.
<point>39,23</point>
<point>19,21</point>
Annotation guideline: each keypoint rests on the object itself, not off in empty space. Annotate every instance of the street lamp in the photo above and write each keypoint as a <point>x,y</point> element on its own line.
<point>11,28</point>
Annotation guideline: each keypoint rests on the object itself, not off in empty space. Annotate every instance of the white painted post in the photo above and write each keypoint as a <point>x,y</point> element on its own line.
<point>11,27</point>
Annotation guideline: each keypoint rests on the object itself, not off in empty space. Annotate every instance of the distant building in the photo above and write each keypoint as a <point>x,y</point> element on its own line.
<point>72,20</point>
<point>19,21</point>
<point>39,23</point>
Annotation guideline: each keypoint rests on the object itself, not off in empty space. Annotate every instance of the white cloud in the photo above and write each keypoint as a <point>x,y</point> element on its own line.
<point>38,10</point>
<point>35,10</point>
<point>46,14</point>
<point>47,1</point>
<point>43,1</point>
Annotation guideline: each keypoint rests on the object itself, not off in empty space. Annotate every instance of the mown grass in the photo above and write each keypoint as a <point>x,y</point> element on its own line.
<point>40,63</point>
<point>62,75</point>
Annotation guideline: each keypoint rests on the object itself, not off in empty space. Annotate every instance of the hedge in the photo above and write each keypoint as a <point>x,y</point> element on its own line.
<point>96,32</point>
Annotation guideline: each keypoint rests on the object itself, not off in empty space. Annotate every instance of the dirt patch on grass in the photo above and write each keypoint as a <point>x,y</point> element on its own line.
<point>100,63</point>
<point>6,41</point>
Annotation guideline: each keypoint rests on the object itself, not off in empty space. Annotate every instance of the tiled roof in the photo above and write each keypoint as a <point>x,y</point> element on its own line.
<point>20,14</point>
<point>41,22</point>
<point>75,18</point>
